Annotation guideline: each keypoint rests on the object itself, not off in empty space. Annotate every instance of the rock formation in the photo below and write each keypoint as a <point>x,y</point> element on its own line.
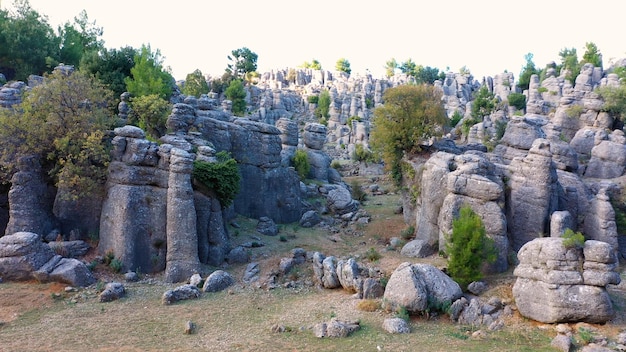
<point>556,283</point>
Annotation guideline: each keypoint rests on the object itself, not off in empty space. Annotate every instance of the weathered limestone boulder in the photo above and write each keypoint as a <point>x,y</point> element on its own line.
<point>133,222</point>
<point>396,326</point>
<point>585,139</point>
<point>112,291</point>
<point>608,160</point>
<point>349,275</point>
<point>213,240</point>
<point>310,218</point>
<point>415,286</point>
<point>339,201</point>
<point>180,293</point>
<point>559,222</point>
<point>599,223</point>
<point>533,194</point>
<point>11,94</point>
<point>335,328</point>
<point>23,256</point>
<point>519,136</point>
<point>559,284</point>
<point>70,249</point>
<point>182,239</point>
<point>288,138</point>
<point>266,226</point>
<point>325,270</point>
<point>219,280</point>
<point>30,200</point>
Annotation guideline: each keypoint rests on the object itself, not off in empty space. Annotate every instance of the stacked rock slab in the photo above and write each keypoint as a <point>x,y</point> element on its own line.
<point>133,222</point>
<point>565,284</point>
<point>314,137</point>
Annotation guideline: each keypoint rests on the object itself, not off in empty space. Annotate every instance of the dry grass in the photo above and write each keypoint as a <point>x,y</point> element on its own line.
<point>241,319</point>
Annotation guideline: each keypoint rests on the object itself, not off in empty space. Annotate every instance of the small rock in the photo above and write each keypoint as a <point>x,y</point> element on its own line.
<point>335,328</point>
<point>195,280</point>
<point>396,326</point>
<point>112,291</point>
<point>562,342</point>
<point>180,293</point>
<point>479,335</point>
<point>276,328</point>
<point>563,329</point>
<point>190,327</point>
<point>266,226</point>
<point>131,276</point>
<point>218,281</point>
<point>496,325</point>
<point>251,274</point>
<point>477,287</point>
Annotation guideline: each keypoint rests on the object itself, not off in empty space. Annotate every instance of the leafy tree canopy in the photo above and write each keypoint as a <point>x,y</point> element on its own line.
<point>390,67</point>
<point>150,113</point>
<point>195,84</point>
<point>315,65</point>
<point>111,66</point>
<point>237,94</point>
<point>343,65</point>
<point>242,61</point>
<point>79,38</point>
<point>148,75</point>
<point>569,62</point>
<point>592,55</point>
<point>410,115</point>
<point>527,71</point>
<point>62,122</point>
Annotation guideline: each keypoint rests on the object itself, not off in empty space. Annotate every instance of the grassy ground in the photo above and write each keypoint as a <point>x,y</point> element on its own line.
<point>43,317</point>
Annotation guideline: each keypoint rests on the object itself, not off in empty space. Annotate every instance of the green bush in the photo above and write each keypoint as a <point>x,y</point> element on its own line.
<point>372,254</point>
<point>313,99</point>
<point>222,177</point>
<point>301,163</point>
<point>357,191</point>
<point>573,239</point>
<point>484,104</point>
<point>323,105</point>
<point>456,117</point>
<point>408,233</point>
<point>237,94</point>
<point>469,248</point>
<point>362,154</point>
<point>517,100</point>
<point>336,164</point>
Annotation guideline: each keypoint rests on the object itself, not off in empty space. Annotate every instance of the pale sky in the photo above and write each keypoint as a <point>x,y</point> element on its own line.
<point>486,36</point>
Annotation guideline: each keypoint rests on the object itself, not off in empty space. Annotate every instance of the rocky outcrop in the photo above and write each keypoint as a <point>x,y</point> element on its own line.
<point>30,200</point>
<point>23,256</point>
<point>11,94</point>
<point>314,138</point>
<point>565,284</point>
<point>533,194</point>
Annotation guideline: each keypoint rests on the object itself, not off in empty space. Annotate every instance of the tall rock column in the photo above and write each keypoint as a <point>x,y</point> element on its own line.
<point>533,194</point>
<point>182,241</point>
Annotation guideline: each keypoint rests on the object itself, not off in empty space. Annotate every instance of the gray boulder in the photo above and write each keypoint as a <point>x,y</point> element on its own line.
<point>70,249</point>
<point>67,270</point>
<point>608,160</point>
<point>266,226</point>
<point>396,326</point>
<point>238,255</point>
<point>21,254</point>
<point>417,249</point>
<point>330,278</point>
<point>314,136</point>
<point>251,274</point>
<point>310,219</point>
<point>112,291</point>
<point>335,328</point>
<point>415,286</point>
<point>339,201</point>
<point>180,293</point>
<point>599,221</point>
<point>349,276</point>
<point>219,280</point>
<point>372,288</point>
<point>558,284</point>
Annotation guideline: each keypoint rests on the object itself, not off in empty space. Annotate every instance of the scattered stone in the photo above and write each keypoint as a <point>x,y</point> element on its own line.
<point>131,276</point>
<point>396,326</point>
<point>267,227</point>
<point>372,289</point>
<point>238,255</point>
<point>310,219</point>
<point>417,249</point>
<point>477,287</point>
<point>218,281</point>
<point>251,274</point>
<point>562,343</point>
<point>112,291</point>
<point>190,327</point>
<point>335,328</point>
<point>180,293</point>
<point>196,280</point>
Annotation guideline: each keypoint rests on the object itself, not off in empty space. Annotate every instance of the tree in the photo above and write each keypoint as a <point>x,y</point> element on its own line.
<point>323,106</point>
<point>314,65</point>
<point>79,38</point>
<point>527,71</point>
<point>484,103</point>
<point>592,55</point>
<point>569,62</point>
<point>408,67</point>
<point>195,84</point>
<point>110,66</point>
<point>469,248</point>
<point>301,163</point>
<point>63,122</point>
<point>517,100</point>
<point>242,62</point>
<point>427,75</point>
<point>148,75</point>
<point>614,103</point>
<point>237,94</point>
<point>343,65</point>
<point>410,115</point>
<point>390,67</point>
<point>150,113</point>
<point>28,45</point>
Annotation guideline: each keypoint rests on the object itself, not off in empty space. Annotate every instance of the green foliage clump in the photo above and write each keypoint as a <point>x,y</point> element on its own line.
<point>195,84</point>
<point>343,65</point>
<point>574,111</point>
<point>573,239</point>
<point>362,154</point>
<point>313,99</point>
<point>148,76</point>
<point>336,164</point>
<point>411,114</point>
<point>323,105</point>
<point>527,71</point>
<point>222,177</point>
<point>614,101</point>
<point>314,65</point>
<point>390,67</point>
<point>243,62</point>
<point>237,94</point>
<point>372,254</point>
<point>456,117</point>
<point>517,100</point>
<point>408,233</point>
<point>357,191</point>
<point>403,313</point>
<point>150,113</point>
<point>63,123</point>
<point>110,66</point>
<point>469,248</point>
<point>301,163</point>
<point>569,62</point>
<point>592,55</point>
<point>484,103</point>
